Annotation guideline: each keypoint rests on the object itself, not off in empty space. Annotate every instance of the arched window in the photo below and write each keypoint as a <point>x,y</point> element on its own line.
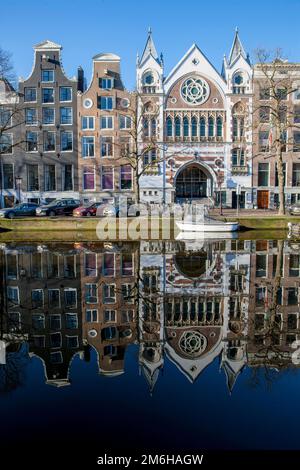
<point>202,127</point>
<point>146,127</point>
<point>185,127</point>
<point>177,126</point>
<point>169,127</point>
<point>211,127</point>
<point>153,126</point>
<point>194,127</point>
<point>219,126</point>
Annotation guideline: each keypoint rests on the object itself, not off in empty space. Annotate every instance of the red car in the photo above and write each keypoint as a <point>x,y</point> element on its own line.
<point>86,211</point>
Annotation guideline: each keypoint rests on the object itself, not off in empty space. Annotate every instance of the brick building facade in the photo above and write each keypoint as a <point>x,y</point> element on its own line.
<point>194,129</point>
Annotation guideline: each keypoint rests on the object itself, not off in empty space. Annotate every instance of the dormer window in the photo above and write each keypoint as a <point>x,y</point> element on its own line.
<point>47,75</point>
<point>106,83</point>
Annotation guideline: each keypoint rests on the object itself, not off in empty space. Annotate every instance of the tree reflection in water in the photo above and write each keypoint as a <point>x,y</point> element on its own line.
<point>187,302</point>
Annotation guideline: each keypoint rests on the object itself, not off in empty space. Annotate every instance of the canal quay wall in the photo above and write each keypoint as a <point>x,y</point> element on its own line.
<point>57,224</point>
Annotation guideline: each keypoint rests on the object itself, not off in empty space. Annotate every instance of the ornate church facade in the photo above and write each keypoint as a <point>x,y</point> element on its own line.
<point>200,122</point>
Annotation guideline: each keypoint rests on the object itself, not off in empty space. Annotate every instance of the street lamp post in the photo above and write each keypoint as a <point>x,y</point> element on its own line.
<point>18,185</point>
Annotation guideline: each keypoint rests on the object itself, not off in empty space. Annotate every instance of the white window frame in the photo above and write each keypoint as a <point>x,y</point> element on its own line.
<point>52,123</point>
<point>49,151</point>
<point>107,118</point>
<point>68,101</point>
<point>48,70</point>
<point>106,98</point>
<point>113,184</point>
<point>114,258</point>
<point>96,261</point>
<point>41,315</point>
<point>112,146</point>
<point>92,310</point>
<point>7,262</point>
<point>37,141</point>
<point>104,298</point>
<point>129,288</point>
<point>32,88</point>
<point>56,333</point>
<point>66,316</point>
<point>95,183</point>
<point>48,102</point>
<point>35,123</point>
<point>109,311</point>
<point>82,145</point>
<point>88,118</point>
<point>59,299</point>
<point>97,293</point>
<point>12,143</point>
<point>132,259</point>
<point>68,337</point>
<point>39,290</point>
<point>120,178</point>
<point>66,132</point>
<point>55,315</point>
<point>68,289</point>
<point>111,81</point>
<point>125,311</point>
<point>64,123</point>
<point>127,118</point>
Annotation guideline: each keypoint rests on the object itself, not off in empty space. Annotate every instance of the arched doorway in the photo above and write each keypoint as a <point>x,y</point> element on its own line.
<point>192,183</point>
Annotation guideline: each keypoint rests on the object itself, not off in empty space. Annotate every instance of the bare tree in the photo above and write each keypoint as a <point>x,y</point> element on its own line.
<point>275,82</point>
<point>143,150</point>
<point>6,67</point>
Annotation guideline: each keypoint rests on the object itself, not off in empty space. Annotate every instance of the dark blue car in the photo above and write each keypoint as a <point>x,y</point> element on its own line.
<point>26,209</point>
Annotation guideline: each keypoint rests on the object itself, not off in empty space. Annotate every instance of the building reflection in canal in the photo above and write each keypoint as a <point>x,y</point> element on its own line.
<point>188,302</point>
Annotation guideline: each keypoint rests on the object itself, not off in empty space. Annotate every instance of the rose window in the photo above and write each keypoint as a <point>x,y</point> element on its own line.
<point>193,343</point>
<point>195,91</point>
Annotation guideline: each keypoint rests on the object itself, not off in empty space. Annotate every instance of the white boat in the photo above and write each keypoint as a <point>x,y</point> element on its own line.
<point>208,225</point>
<point>212,236</point>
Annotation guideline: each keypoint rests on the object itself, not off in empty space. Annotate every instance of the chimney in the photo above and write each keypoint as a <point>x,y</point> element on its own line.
<point>80,78</point>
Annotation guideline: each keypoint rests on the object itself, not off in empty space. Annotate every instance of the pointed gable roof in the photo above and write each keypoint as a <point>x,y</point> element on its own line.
<point>47,45</point>
<point>203,64</point>
<point>237,49</point>
<point>150,48</point>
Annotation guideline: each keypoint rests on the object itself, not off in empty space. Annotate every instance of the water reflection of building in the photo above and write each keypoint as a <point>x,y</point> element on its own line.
<point>43,302</point>
<point>200,313</point>
<point>108,284</point>
<point>274,302</point>
<point>190,303</point>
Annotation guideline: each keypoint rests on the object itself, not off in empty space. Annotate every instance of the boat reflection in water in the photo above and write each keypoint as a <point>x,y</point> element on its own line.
<point>184,301</point>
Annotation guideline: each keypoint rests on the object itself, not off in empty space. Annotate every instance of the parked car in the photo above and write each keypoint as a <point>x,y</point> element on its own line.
<point>113,208</point>
<point>86,211</point>
<point>25,209</point>
<point>294,209</point>
<point>58,207</point>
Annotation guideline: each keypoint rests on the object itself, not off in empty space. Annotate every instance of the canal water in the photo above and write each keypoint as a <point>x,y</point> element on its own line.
<point>187,345</point>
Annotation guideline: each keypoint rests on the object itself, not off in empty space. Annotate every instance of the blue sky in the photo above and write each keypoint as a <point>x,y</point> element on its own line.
<point>85,28</point>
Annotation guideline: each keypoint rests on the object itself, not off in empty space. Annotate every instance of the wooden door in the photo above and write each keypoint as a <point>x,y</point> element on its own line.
<point>262,199</point>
